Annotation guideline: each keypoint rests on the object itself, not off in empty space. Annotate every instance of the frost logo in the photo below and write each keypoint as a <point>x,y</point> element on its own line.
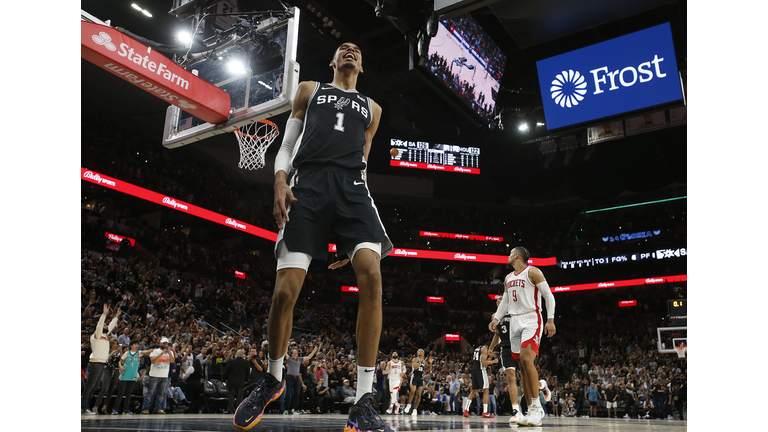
<point>104,39</point>
<point>568,88</point>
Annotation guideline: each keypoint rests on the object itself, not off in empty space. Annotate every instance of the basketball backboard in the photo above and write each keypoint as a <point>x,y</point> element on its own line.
<point>259,72</point>
<point>670,337</point>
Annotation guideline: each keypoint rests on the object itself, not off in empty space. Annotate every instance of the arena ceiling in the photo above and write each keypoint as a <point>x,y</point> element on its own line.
<point>651,165</point>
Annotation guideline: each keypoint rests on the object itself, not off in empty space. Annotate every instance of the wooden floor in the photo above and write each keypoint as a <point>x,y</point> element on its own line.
<point>327,423</point>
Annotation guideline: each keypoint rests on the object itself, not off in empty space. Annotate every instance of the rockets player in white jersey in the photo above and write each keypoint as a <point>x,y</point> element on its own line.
<point>394,372</point>
<point>523,291</point>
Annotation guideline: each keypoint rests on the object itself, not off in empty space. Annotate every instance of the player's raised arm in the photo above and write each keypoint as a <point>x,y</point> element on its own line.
<point>537,277</point>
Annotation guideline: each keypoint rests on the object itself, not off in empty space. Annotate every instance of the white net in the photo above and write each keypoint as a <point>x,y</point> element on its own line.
<point>681,350</point>
<point>254,139</point>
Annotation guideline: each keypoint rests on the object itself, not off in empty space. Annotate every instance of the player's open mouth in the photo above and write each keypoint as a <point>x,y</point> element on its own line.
<point>349,57</point>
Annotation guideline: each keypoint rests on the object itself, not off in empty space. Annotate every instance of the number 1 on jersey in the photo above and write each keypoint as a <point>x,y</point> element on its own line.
<point>339,126</point>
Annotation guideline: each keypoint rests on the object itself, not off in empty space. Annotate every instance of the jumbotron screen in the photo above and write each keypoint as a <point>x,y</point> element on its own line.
<point>436,157</point>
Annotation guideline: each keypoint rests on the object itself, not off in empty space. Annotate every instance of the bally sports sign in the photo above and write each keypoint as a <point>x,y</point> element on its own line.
<point>620,75</point>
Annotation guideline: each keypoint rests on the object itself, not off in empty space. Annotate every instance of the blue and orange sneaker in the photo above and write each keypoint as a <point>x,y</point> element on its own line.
<point>363,417</point>
<point>252,408</point>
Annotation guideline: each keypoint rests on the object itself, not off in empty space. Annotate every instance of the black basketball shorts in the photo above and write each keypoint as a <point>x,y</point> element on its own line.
<point>332,204</point>
<point>417,381</point>
<point>505,358</point>
<point>479,379</point>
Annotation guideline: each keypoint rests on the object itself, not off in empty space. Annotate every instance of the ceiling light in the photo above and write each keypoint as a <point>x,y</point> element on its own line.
<point>146,12</point>
<point>523,127</point>
<point>135,6</point>
<point>236,67</point>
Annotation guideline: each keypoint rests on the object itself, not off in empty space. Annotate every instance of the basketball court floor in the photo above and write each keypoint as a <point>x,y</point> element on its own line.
<point>335,423</point>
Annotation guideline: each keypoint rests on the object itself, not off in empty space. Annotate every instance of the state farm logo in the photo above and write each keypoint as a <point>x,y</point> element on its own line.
<point>403,252</point>
<point>97,178</point>
<point>568,88</point>
<point>172,202</point>
<point>234,223</point>
<point>461,256</point>
<point>104,39</point>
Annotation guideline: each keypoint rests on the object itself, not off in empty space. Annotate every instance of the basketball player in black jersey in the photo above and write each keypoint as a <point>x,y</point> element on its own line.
<point>480,359</point>
<point>320,191</point>
<point>508,365</point>
<point>417,380</point>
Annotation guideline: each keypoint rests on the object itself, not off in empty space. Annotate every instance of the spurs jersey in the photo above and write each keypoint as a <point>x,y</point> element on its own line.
<point>504,333</point>
<point>419,371</point>
<point>395,370</point>
<point>522,295</point>
<point>335,123</point>
<point>476,363</point>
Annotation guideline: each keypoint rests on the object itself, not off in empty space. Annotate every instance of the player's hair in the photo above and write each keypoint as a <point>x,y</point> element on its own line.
<point>524,254</point>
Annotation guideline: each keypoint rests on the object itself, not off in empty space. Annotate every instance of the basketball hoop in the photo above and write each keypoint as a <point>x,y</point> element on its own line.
<point>254,139</point>
<point>681,350</point>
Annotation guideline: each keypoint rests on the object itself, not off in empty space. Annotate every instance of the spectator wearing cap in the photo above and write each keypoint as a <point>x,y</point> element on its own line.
<point>160,359</point>
<point>236,374</point>
<point>98,359</point>
<point>347,393</point>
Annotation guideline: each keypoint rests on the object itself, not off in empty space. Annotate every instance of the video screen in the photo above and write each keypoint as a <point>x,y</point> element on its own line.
<point>468,62</point>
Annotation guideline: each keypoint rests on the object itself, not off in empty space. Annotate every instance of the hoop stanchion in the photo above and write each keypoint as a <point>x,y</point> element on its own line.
<point>254,139</point>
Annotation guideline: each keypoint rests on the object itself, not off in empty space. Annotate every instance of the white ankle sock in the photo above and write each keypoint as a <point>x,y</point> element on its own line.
<point>275,368</point>
<point>485,408</point>
<point>364,381</point>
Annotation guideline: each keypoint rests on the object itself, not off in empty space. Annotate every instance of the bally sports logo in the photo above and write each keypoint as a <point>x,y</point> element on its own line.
<point>172,202</point>
<point>404,252</point>
<point>461,256</point>
<point>234,223</point>
<point>98,179</point>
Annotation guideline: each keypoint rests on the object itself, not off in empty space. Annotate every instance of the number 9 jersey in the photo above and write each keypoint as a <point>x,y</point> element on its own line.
<point>335,123</point>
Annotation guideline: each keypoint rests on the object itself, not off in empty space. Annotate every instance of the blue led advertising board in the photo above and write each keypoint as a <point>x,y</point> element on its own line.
<point>624,74</point>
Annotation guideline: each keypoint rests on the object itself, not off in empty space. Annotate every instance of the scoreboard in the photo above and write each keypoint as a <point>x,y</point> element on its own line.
<point>678,311</point>
<point>436,157</point>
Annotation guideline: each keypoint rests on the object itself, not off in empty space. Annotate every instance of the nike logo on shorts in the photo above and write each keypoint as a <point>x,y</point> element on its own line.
<point>358,183</point>
<point>368,370</point>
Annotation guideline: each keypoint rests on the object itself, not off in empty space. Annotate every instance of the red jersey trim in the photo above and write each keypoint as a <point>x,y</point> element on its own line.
<point>526,266</point>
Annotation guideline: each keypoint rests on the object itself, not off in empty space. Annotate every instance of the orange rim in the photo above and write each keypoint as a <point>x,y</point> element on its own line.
<point>266,122</point>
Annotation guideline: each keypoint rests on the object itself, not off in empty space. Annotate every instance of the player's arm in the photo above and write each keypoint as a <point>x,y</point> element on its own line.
<point>537,277</point>
<point>495,341</point>
<point>501,310</point>
<point>293,128</point>
<point>386,370</point>
<point>371,131</point>
<point>484,358</point>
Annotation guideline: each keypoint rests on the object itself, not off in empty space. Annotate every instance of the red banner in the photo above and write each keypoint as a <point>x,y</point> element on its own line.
<point>119,239</point>
<point>627,303</point>
<point>239,274</point>
<point>452,337</point>
<point>460,256</point>
<point>621,283</point>
<point>153,72</point>
<point>350,289</point>
<point>146,194</point>
<point>432,299</point>
<point>434,167</point>
<point>460,236</point>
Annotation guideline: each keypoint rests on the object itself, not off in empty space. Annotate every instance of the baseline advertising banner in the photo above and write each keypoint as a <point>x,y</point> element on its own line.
<point>153,72</point>
<point>146,194</point>
<point>620,75</point>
